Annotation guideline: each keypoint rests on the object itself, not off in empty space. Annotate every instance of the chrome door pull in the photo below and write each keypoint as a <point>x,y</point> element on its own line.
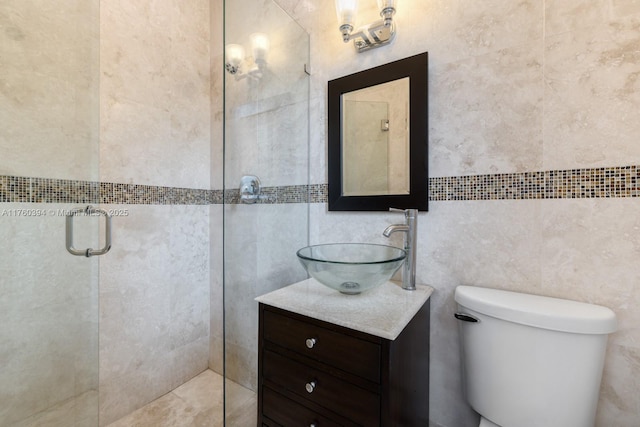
<point>89,210</point>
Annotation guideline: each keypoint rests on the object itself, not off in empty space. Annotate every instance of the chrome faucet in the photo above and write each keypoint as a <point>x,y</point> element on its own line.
<point>410,229</point>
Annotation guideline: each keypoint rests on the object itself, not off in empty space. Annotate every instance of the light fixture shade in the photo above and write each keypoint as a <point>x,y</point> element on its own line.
<point>259,47</point>
<point>346,10</point>
<point>383,4</point>
<point>234,54</point>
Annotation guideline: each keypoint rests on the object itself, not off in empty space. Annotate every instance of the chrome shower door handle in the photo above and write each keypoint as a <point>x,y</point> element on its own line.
<point>89,210</point>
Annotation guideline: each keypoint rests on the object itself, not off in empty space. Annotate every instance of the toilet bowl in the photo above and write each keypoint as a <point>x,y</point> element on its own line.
<point>529,360</point>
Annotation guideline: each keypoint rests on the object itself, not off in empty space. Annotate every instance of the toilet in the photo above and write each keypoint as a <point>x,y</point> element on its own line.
<point>529,360</point>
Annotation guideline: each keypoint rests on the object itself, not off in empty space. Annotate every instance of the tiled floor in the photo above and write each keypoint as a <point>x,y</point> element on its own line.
<point>197,403</point>
<point>80,411</point>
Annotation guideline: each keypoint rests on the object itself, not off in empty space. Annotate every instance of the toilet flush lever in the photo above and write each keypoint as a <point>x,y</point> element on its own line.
<point>466,317</point>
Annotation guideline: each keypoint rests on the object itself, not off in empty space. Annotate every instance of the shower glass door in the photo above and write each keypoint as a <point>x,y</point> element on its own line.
<point>266,135</point>
<point>48,165</point>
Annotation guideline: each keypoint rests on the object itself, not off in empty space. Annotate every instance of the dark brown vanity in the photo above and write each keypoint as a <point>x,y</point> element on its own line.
<point>315,373</point>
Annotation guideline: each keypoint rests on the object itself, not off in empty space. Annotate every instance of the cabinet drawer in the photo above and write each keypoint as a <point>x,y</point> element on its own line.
<point>344,398</point>
<point>286,412</point>
<point>348,353</point>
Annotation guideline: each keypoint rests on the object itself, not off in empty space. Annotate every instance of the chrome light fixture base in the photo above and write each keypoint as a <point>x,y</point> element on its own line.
<point>377,34</point>
<point>374,35</point>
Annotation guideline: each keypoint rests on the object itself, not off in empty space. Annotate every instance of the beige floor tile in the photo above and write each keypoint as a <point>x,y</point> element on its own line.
<point>81,411</point>
<point>203,392</point>
<point>197,403</point>
<point>237,396</point>
<point>245,415</point>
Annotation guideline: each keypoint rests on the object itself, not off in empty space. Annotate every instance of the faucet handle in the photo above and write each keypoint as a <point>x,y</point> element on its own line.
<point>409,213</point>
<point>397,210</point>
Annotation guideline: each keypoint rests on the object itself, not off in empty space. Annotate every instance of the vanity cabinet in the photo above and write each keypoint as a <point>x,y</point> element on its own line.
<point>313,373</point>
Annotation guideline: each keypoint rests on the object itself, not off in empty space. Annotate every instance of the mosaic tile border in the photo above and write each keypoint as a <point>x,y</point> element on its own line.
<point>273,195</point>
<point>558,184</point>
<point>45,190</point>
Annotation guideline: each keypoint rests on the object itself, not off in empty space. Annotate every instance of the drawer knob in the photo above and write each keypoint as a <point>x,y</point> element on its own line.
<point>310,386</point>
<point>313,425</point>
<point>310,342</point>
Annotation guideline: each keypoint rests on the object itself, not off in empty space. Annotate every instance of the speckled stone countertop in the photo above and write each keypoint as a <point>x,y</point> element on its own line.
<point>383,311</point>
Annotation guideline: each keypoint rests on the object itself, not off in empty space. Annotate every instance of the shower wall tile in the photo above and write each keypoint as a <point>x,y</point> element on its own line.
<point>49,89</point>
<point>163,306</point>
<point>283,144</point>
<point>317,138</point>
<point>217,93</point>
<point>266,134</point>
<point>241,287</point>
<point>241,365</point>
<point>267,124</point>
<point>264,144</point>
<point>45,290</point>
<point>259,257</point>
<point>15,189</point>
<point>155,93</point>
<point>54,191</point>
<point>216,300</point>
<point>156,115</point>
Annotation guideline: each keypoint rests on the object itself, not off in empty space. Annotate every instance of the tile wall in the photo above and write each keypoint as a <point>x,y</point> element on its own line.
<point>155,142</point>
<point>533,128</point>
<point>107,102</point>
<point>521,94</point>
<point>48,111</point>
<point>266,135</point>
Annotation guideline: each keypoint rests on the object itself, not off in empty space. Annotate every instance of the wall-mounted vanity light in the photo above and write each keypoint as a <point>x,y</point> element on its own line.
<point>241,67</point>
<point>376,34</point>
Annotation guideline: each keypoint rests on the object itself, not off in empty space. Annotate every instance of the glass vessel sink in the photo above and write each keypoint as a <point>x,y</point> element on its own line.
<point>351,268</point>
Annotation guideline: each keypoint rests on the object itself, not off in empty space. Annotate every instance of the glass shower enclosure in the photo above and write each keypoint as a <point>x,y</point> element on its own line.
<point>53,88</point>
<point>266,136</point>
<point>49,140</point>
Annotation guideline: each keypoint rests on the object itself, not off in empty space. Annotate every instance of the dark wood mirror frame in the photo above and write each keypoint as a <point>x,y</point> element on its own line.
<point>414,67</point>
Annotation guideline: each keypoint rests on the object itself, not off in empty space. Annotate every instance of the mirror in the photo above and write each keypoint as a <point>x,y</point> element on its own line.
<point>375,140</point>
<point>378,138</point>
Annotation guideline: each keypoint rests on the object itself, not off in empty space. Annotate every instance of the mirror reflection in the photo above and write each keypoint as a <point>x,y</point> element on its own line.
<point>375,140</point>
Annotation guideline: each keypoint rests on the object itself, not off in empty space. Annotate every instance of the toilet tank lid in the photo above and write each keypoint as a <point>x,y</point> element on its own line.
<point>538,311</point>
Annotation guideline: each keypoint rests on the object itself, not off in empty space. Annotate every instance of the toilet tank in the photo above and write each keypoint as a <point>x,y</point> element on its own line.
<point>532,361</point>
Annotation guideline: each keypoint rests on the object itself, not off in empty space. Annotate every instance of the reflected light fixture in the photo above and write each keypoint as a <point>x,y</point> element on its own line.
<point>376,34</point>
<point>234,55</point>
<point>259,47</point>
<point>240,66</point>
